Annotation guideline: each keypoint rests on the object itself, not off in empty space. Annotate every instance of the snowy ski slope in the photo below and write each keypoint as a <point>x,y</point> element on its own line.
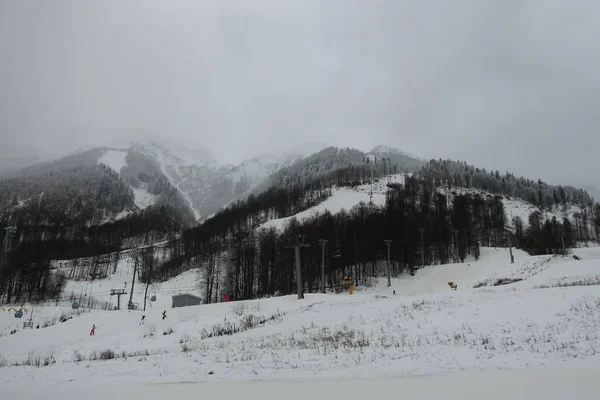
<point>545,326</point>
<point>425,329</point>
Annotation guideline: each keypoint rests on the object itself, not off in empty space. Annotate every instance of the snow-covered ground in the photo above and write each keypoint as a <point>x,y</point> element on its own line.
<point>115,159</point>
<point>343,199</point>
<point>426,335</point>
<point>569,381</point>
<point>143,198</point>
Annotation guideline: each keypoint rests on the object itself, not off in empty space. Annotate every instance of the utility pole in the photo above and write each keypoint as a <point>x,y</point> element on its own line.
<point>297,247</point>
<point>388,242</point>
<point>422,248</point>
<point>495,238</point>
<point>10,232</point>
<point>371,194</point>
<point>323,243</point>
<point>6,246</point>
<point>512,258</point>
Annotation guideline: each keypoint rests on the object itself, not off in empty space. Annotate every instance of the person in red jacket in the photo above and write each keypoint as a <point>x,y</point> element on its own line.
<point>93,331</point>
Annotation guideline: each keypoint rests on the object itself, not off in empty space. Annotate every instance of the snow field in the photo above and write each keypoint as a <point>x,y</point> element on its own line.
<point>342,198</point>
<point>143,198</point>
<point>115,159</point>
<point>426,329</point>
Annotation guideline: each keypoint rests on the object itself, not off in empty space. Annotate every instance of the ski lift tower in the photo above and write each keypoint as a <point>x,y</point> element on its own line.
<point>118,293</point>
<point>10,233</point>
<point>6,245</point>
<point>296,246</point>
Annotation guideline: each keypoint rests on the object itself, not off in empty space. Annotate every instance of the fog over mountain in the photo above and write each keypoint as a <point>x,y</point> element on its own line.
<point>508,85</point>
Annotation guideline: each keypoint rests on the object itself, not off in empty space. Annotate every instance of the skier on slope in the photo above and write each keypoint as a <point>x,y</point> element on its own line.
<point>164,314</point>
<point>93,331</point>
<point>142,320</point>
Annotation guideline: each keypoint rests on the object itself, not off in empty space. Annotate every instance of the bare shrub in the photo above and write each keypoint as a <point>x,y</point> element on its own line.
<point>78,357</point>
<point>506,281</point>
<point>419,305</point>
<point>185,338</point>
<point>48,322</point>
<point>247,322</point>
<point>590,281</point>
<point>150,331</point>
<point>35,359</point>
<point>238,309</point>
<point>108,354</point>
<point>497,282</point>
<point>325,339</point>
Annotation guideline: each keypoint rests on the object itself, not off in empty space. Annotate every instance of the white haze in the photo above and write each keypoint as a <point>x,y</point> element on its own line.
<point>508,85</point>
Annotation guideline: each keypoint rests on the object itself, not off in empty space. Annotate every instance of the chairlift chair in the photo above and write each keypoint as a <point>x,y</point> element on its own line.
<point>338,252</point>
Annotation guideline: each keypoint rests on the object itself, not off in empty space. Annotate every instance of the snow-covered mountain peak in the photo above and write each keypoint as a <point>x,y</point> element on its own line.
<point>387,149</point>
<point>175,153</point>
<point>380,150</point>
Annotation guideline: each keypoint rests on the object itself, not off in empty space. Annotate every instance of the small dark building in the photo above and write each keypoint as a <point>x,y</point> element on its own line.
<point>185,299</point>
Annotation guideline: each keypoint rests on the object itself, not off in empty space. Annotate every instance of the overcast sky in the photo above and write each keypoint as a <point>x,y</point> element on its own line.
<point>508,85</point>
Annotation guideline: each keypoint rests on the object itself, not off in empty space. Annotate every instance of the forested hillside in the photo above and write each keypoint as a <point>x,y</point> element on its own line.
<point>86,194</point>
<point>459,174</point>
<point>77,207</point>
<point>427,220</point>
<point>342,167</point>
<point>453,174</point>
<point>453,225</point>
<point>79,190</point>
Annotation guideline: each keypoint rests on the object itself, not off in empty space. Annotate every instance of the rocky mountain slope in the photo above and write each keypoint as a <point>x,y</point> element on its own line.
<point>206,185</point>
